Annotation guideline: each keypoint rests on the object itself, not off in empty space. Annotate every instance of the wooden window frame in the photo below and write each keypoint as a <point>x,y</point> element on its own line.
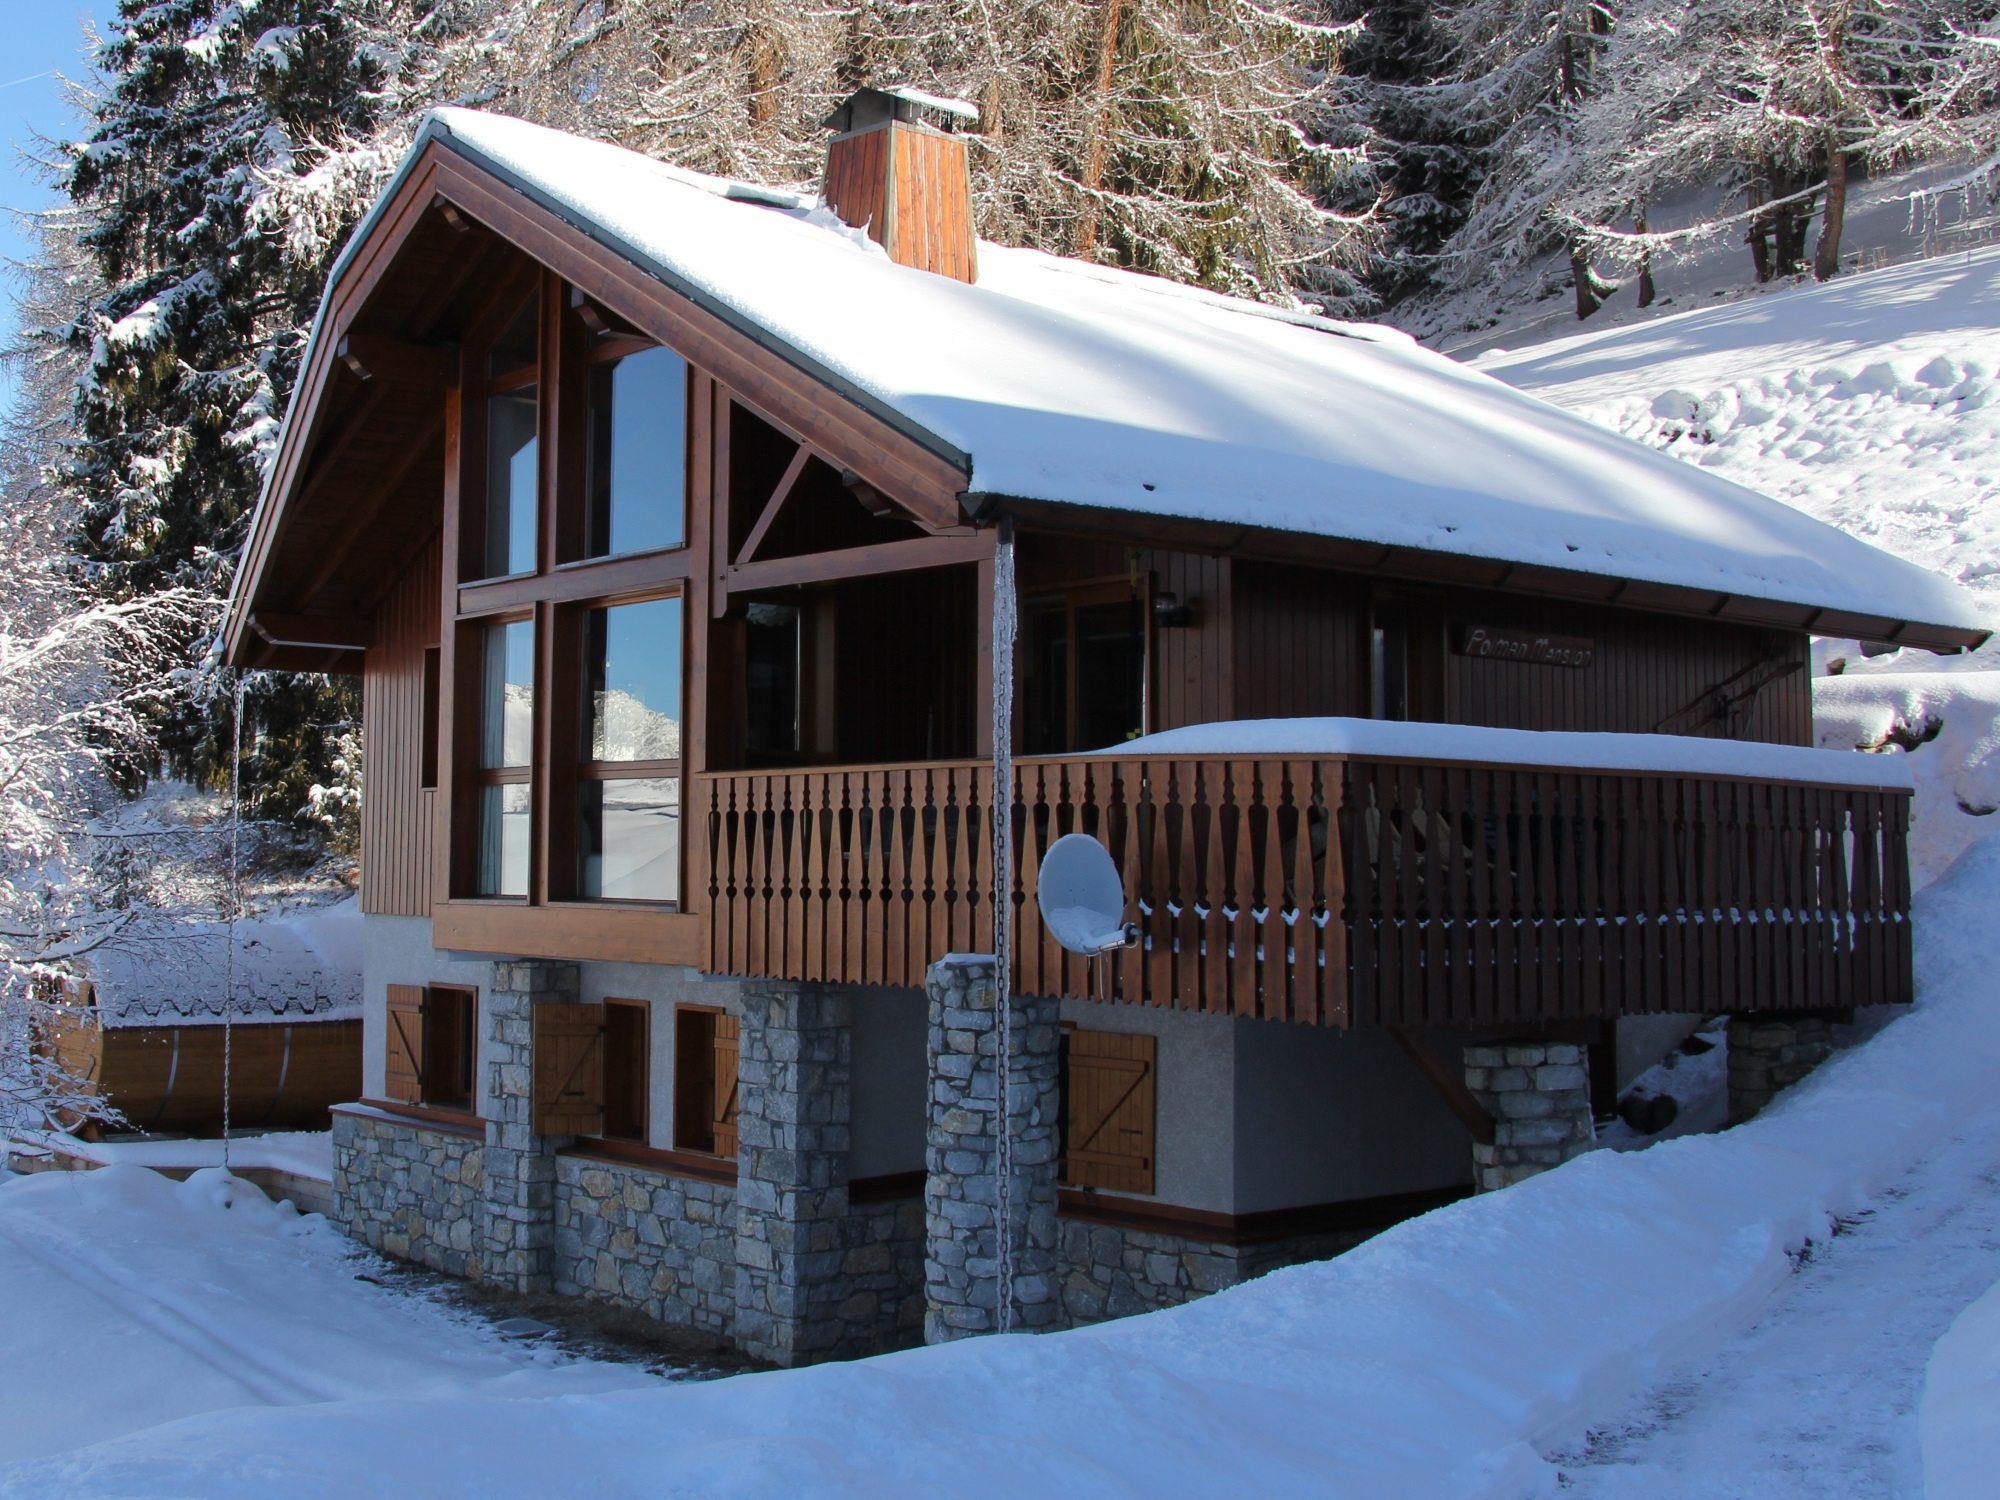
<point>421,1052</point>
<point>1085,593</point>
<point>686,1133</point>
<point>574,335</point>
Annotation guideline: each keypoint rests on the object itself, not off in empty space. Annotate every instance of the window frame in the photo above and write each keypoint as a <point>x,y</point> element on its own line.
<point>555,596</point>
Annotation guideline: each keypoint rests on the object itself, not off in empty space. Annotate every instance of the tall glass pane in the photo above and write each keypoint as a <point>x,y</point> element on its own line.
<point>503,840</point>
<point>629,839</point>
<point>632,672</point>
<point>638,454</point>
<point>511,461</point>
<point>507,696</point>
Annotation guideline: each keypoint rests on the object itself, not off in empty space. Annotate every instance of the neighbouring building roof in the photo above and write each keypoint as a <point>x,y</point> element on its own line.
<point>1055,381</point>
<point>304,966</point>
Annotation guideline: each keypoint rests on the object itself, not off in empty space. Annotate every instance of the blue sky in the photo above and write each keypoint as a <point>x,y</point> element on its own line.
<point>42,38</point>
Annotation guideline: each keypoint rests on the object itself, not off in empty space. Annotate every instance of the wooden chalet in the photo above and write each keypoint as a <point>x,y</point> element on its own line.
<point>677,528</point>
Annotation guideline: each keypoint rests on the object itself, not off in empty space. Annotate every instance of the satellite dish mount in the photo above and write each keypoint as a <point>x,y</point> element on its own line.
<point>1082,899</point>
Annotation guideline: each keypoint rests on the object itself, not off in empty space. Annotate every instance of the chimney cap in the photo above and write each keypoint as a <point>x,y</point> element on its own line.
<point>874,106</point>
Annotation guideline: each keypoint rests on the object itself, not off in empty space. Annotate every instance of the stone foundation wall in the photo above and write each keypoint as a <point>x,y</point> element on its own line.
<point>663,1245</point>
<point>1110,1271</point>
<point>1539,1096</point>
<point>1770,1053</point>
<point>408,1192</point>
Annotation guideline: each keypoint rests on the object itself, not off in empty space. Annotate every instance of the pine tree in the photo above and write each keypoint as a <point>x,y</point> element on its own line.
<point>219,180</point>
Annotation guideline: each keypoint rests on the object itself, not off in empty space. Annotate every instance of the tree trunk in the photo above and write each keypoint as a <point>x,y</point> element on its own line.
<point>1758,237</point>
<point>1093,157</point>
<point>1826,255</point>
<point>1590,291</point>
<point>1646,289</point>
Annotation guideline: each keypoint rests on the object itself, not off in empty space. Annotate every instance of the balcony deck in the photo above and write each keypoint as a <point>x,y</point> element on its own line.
<point>1332,889</point>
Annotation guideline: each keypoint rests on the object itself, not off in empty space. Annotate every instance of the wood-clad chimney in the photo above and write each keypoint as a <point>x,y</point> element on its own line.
<point>903,180</point>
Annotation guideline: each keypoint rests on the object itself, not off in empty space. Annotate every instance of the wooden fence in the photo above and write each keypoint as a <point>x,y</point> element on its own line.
<point>1331,891</point>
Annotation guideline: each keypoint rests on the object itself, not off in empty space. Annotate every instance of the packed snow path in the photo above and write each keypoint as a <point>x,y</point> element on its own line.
<point>1821,1396</point>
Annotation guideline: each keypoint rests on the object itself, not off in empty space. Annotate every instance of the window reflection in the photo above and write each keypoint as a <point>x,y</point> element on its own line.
<point>637,463</point>
<point>629,839</point>
<point>503,840</point>
<point>632,672</point>
<point>511,459</point>
<point>507,697</point>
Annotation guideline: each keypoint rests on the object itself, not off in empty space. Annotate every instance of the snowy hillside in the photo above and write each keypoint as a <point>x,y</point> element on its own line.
<point>1872,403</point>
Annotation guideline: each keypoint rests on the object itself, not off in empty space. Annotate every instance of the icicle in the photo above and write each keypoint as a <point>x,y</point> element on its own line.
<point>235,897</point>
<point>1005,627</point>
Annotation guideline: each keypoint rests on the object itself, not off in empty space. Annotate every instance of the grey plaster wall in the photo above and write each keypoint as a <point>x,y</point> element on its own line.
<point>886,1124</point>
<point>663,986</point>
<point>1194,1094</point>
<point>397,950</point>
<point>1324,1116</point>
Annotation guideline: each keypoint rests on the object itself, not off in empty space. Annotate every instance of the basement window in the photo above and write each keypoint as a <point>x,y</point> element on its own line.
<point>627,1044</point>
<point>705,1050</point>
<point>433,1046</point>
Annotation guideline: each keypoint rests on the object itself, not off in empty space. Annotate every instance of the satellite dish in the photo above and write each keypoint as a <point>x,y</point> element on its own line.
<point>1082,898</point>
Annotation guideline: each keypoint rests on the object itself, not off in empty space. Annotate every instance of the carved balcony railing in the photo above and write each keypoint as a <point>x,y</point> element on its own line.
<point>1331,890</point>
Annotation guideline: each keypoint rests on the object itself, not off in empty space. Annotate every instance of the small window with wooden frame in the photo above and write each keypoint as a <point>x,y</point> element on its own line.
<point>569,655</point>
<point>1108,1114</point>
<point>1084,666</point>
<point>628,1044</point>
<point>705,1058</point>
<point>433,1047</point>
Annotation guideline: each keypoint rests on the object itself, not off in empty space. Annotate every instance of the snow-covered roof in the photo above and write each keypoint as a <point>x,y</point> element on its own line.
<point>1668,754</point>
<point>1052,380</point>
<point>303,966</point>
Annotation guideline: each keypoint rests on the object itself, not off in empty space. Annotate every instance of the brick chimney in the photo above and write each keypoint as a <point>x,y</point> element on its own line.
<point>905,180</point>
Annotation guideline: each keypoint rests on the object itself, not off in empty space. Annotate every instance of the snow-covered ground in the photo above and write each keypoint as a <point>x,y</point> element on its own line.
<point>129,1303</point>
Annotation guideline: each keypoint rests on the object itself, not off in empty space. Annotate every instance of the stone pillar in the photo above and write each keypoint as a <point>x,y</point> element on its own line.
<point>518,1230</point>
<point>1772,1052</point>
<point>1539,1096</point>
<point>793,1077</point>
<point>962,1189</point>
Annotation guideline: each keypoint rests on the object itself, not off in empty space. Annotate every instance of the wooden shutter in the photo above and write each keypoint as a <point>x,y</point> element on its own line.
<point>569,1070</point>
<point>1109,1143</point>
<point>723,1125</point>
<point>405,1076</point>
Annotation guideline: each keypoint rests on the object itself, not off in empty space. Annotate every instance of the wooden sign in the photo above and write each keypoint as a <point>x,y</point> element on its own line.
<point>1526,645</point>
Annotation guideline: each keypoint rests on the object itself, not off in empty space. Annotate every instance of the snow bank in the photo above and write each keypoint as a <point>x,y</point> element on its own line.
<point>1958,1421</point>
<point>304,1153</point>
<point>1951,722</point>
<point>1433,1361</point>
<point>1871,402</point>
<point>1670,753</point>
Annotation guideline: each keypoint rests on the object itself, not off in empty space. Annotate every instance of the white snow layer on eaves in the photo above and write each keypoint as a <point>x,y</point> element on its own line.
<point>1094,387</point>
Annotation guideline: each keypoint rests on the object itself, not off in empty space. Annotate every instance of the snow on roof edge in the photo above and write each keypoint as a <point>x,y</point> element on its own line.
<point>1670,754</point>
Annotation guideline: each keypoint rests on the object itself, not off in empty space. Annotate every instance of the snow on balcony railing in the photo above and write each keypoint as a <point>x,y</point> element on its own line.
<point>1668,754</point>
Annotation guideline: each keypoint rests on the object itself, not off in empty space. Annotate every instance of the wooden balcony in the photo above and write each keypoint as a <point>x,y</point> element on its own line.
<point>1331,890</point>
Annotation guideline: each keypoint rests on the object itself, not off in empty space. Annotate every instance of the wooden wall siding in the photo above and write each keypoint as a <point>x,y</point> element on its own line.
<point>1648,670</point>
<point>933,207</point>
<point>1333,891</point>
<point>857,179</point>
<point>396,812</point>
<point>1301,648</point>
<point>1299,642</point>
